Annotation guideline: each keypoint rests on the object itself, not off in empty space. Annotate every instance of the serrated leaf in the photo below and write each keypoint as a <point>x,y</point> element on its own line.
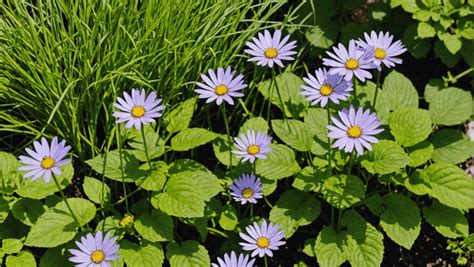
<point>401,220</point>
<point>155,145</point>
<point>179,118</point>
<point>23,259</point>
<point>420,153</point>
<point>27,210</point>
<point>450,185</point>
<point>417,184</point>
<point>113,171</point>
<point>256,124</point>
<point>191,138</point>
<point>328,248</point>
<point>418,47</point>
<point>375,204</point>
<point>11,245</point>
<point>410,126</point>
<point>146,254</point>
<point>156,178</point>
<point>451,146</point>
<point>11,179</point>
<point>96,191</point>
<point>309,179</point>
<point>39,189</point>
<point>316,120</point>
<point>308,247</point>
<point>293,133</point>
<point>228,219</point>
<point>385,157</point>
<point>155,227</point>
<point>223,150</point>
<point>425,30</point>
<point>453,44</point>
<point>432,87</point>
<point>280,163</point>
<point>190,253</point>
<point>450,106</point>
<point>449,222</point>
<point>444,55</point>
<point>294,209</point>
<point>343,191</point>
<point>399,92</point>
<point>4,209</point>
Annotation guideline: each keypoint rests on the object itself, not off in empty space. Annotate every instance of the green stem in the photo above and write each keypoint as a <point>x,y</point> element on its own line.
<point>265,260</point>
<point>65,200</point>
<point>247,112</point>
<point>124,187</point>
<point>215,231</point>
<point>329,144</point>
<point>278,93</point>
<point>355,102</point>
<point>270,98</point>
<point>251,210</point>
<point>454,79</point>
<point>229,138</point>
<point>351,161</point>
<point>146,147</point>
<point>379,72</point>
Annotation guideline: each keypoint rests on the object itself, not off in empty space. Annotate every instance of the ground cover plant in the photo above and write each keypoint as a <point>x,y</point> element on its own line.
<point>264,133</point>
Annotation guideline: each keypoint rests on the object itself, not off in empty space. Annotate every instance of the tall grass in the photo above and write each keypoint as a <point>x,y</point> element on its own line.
<point>63,62</point>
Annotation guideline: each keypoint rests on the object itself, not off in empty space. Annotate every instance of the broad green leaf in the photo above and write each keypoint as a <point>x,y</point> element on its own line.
<point>110,223</point>
<point>401,220</point>
<point>452,43</point>
<point>308,247</point>
<point>190,253</point>
<point>410,126</point>
<point>323,35</point>
<point>190,138</point>
<point>343,191</point>
<point>223,150</point>
<point>425,30</point>
<point>11,245</point>
<point>375,204</point>
<point>113,170</point>
<point>39,189</point>
<point>418,47</point>
<point>293,133</point>
<point>155,227</point>
<point>58,256</point>
<point>146,254</point>
<point>399,92</point>
<point>466,27</point>
<point>155,145</point>
<point>385,157</point>
<point>466,52</point>
<point>294,209</point>
<point>432,87</point>
<point>417,183</point>
<point>422,15</point>
<point>96,191</point>
<point>450,185</point>
<point>280,163</point>
<point>4,209</point>
<point>228,219</point>
<point>328,248</point>
<point>443,53</point>
<point>450,106</point>
<point>309,179</point>
<point>316,120</point>
<point>363,244</point>
<point>451,146</point>
<point>27,210</point>
<point>256,124</point>
<point>156,178</point>
<point>23,259</point>
<point>420,153</point>
<point>181,165</point>
<point>449,222</point>
<point>179,118</point>
<point>288,84</point>
<point>56,226</point>
<point>353,30</point>
<point>11,179</point>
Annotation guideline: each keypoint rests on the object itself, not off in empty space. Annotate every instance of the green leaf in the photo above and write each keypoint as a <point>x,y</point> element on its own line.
<point>190,138</point>
<point>343,191</point>
<point>155,227</point>
<point>453,44</point>
<point>323,35</point>
<point>425,30</point>
<point>93,189</point>
<point>223,150</point>
<point>385,157</point>
<point>27,210</point>
<point>450,185</point>
<point>113,171</point>
<point>432,87</point>
<point>422,15</point>
<point>4,209</point>
<point>181,165</point>
<point>11,245</point>
<point>316,120</point>
<point>328,248</point>
<point>256,124</point>
<point>375,204</point>
<point>58,256</point>
<point>417,183</point>
<point>420,153</point>
<point>288,85</point>
<point>179,118</point>
<point>401,220</point>
<point>410,126</point>
<point>309,179</point>
<point>294,209</point>
<point>449,222</point>
<point>451,146</point>
<point>443,53</point>
<point>39,189</point>
<point>228,219</point>
<point>185,193</point>
<point>146,254</point>
<point>363,244</point>
<point>56,226</point>
<point>308,247</point>
<point>190,253</point>
<point>293,133</point>
<point>418,47</point>
<point>11,179</point>
<point>280,163</point>
<point>155,145</point>
<point>466,28</point>
<point>399,92</point>
<point>23,259</point>
<point>156,178</point>
<point>450,106</point>
<point>466,52</point>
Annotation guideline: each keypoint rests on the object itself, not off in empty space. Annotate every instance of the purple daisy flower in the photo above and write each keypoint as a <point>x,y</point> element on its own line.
<point>384,51</point>
<point>252,146</point>
<point>222,86</point>
<point>324,86</point>
<point>138,109</point>
<point>45,160</point>
<point>95,251</point>
<point>350,62</point>
<point>246,189</point>
<point>267,50</point>
<point>262,239</point>
<point>354,130</point>
<point>233,261</point>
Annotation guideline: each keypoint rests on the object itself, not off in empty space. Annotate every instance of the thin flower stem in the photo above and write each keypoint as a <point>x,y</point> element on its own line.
<point>119,146</point>
<point>379,72</point>
<point>251,210</point>
<point>265,260</point>
<point>65,200</point>
<point>229,138</point>
<point>329,143</point>
<point>146,147</point>
<point>217,232</point>
<point>355,102</point>
<point>351,161</point>
<point>270,98</point>
<point>247,112</point>
<point>278,93</point>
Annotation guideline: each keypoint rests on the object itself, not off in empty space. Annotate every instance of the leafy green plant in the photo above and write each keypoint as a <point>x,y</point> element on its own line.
<point>462,248</point>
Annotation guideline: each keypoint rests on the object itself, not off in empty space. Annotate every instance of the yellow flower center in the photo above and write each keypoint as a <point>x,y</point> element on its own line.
<point>271,53</point>
<point>247,193</point>
<point>380,53</point>
<point>253,149</point>
<point>97,256</point>
<point>47,163</point>
<point>354,131</point>
<point>138,111</point>
<point>126,220</point>
<point>221,89</point>
<point>326,89</point>
<point>263,242</point>
<point>352,64</point>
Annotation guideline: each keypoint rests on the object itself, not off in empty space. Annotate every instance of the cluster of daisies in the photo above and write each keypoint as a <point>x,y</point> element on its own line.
<point>352,129</point>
